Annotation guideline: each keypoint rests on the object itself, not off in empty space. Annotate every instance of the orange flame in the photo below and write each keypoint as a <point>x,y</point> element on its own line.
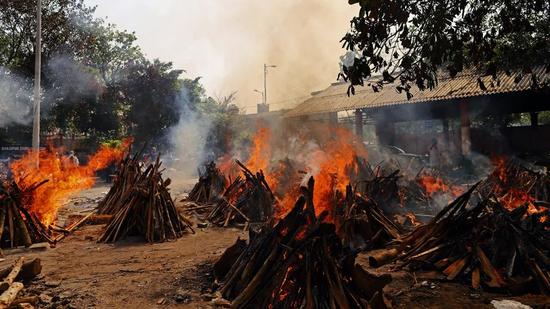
<point>513,197</point>
<point>336,161</point>
<point>433,185</point>
<point>331,165</point>
<point>260,155</point>
<point>64,178</point>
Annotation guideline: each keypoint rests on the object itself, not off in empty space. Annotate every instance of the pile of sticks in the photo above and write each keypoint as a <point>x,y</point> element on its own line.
<point>129,174</point>
<point>512,175</point>
<point>19,227</point>
<point>299,263</point>
<point>485,246</point>
<point>362,224</point>
<point>211,184</point>
<point>10,289</point>
<point>144,206</point>
<point>377,184</point>
<point>245,200</point>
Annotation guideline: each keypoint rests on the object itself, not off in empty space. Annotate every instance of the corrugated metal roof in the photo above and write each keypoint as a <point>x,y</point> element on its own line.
<point>335,99</point>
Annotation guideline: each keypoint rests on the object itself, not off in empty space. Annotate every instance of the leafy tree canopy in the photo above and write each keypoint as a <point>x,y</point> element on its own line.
<point>96,80</point>
<point>414,41</point>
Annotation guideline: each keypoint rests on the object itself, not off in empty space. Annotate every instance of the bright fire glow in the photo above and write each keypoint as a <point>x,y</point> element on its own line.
<point>433,185</point>
<point>509,194</point>
<point>63,177</point>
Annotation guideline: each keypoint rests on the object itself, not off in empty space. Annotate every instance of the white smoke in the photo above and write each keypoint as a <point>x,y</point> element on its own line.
<point>188,140</point>
<point>16,95</point>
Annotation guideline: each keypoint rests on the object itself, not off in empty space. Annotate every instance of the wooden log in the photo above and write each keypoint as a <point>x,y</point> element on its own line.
<point>32,300</point>
<point>496,279</point>
<point>476,278</point>
<point>10,278</point>
<point>73,227</point>
<point>368,283</point>
<point>15,305</point>
<point>10,226</point>
<point>8,296</point>
<point>2,218</point>
<point>29,270</point>
<point>456,267</point>
<point>228,258</point>
<point>382,257</point>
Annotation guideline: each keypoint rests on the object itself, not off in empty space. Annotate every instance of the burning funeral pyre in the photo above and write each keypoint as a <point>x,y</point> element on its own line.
<point>362,224</point>
<point>29,201</point>
<point>247,199</point>
<point>211,184</point>
<point>487,241</point>
<point>494,235</point>
<point>140,204</point>
<point>22,228</point>
<point>299,263</point>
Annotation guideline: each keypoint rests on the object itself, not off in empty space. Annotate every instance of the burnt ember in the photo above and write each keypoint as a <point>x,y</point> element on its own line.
<point>18,226</point>
<point>245,200</point>
<point>211,184</point>
<point>141,205</point>
<point>298,263</point>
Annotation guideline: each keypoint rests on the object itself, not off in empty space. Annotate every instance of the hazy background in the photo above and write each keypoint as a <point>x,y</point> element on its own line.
<point>227,42</point>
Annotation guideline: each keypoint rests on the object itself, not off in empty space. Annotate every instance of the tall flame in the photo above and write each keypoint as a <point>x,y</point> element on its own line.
<point>331,165</point>
<point>336,162</point>
<point>64,178</point>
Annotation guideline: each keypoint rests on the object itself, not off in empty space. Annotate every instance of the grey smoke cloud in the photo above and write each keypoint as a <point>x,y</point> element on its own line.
<point>227,42</point>
<point>188,140</point>
<point>15,99</point>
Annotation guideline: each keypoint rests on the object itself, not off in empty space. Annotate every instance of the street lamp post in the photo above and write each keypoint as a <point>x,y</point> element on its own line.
<point>265,81</point>
<point>37,76</point>
<point>262,93</point>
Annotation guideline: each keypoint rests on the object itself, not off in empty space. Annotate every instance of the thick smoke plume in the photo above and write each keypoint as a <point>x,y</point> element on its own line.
<point>188,140</point>
<point>69,80</point>
<point>227,42</point>
<point>15,99</point>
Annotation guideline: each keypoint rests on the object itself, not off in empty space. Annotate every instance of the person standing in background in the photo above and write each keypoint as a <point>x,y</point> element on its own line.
<point>434,154</point>
<point>73,159</point>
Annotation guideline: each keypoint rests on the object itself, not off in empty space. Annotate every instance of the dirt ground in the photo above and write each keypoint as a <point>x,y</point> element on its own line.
<point>80,273</point>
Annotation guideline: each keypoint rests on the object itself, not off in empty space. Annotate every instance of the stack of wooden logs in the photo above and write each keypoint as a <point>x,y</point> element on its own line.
<point>485,246</point>
<point>141,205</point>
<point>377,183</point>
<point>299,263</point>
<point>19,227</point>
<point>511,176</point>
<point>362,224</point>
<point>245,200</point>
<point>10,289</point>
<point>129,174</point>
<point>210,186</point>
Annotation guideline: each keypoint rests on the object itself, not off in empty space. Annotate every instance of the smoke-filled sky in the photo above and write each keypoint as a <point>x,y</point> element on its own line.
<point>227,42</point>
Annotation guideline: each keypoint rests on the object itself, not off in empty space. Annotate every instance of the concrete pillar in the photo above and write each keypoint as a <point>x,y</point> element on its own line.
<point>465,137</point>
<point>359,123</point>
<point>534,119</point>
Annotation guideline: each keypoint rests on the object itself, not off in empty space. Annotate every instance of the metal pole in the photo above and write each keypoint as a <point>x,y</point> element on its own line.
<point>37,75</point>
<point>265,84</point>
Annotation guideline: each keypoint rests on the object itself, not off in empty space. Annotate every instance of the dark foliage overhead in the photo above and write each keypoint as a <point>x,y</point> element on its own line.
<point>415,41</point>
